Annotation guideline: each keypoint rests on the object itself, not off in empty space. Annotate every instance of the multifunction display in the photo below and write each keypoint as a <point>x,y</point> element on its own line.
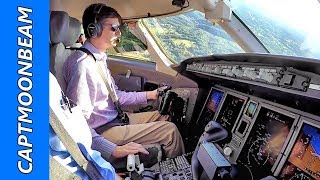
<point>265,142</point>
<point>304,159</point>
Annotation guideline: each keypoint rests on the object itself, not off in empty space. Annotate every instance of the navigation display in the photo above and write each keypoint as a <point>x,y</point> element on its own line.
<point>265,142</point>
<point>304,159</point>
<point>211,106</point>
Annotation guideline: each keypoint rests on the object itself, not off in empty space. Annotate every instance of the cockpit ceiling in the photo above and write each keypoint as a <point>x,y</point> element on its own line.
<point>128,9</point>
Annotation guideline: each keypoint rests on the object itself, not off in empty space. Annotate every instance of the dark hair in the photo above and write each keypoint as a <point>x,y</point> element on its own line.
<point>90,16</point>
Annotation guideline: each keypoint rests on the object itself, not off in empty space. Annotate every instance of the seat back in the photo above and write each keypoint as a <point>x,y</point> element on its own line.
<point>64,32</point>
<point>70,140</point>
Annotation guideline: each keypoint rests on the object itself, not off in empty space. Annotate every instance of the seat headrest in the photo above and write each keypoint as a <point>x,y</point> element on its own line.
<point>63,28</point>
<point>73,32</point>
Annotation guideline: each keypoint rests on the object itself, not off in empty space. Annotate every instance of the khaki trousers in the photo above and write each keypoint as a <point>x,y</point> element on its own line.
<point>148,128</point>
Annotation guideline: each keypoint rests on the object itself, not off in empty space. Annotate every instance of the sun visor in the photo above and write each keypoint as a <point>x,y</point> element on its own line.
<point>129,9</point>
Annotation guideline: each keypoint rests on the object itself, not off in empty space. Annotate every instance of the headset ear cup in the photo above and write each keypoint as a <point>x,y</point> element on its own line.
<point>92,30</point>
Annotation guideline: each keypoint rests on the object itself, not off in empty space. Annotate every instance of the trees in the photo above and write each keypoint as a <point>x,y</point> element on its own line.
<point>188,35</point>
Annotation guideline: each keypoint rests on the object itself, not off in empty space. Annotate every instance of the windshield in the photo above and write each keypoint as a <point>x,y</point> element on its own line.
<point>286,27</point>
<point>189,35</point>
<point>129,46</point>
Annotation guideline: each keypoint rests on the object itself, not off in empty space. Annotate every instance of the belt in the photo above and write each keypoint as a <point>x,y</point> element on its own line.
<point>115,122</point>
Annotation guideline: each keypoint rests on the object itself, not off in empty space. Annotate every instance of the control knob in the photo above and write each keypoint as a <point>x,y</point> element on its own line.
<point>227,151</point>
<point>229,72</point>
<point>252,75</point>
<point>217,70</point>
<point>266,76</point>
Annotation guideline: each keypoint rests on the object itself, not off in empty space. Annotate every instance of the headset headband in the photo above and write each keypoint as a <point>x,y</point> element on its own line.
<point>97,10</point>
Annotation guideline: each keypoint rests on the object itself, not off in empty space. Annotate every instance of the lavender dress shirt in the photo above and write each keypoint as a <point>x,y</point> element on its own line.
<point>88,90</point>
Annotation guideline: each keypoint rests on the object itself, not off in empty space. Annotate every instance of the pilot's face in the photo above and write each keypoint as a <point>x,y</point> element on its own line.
<point>110,33</point>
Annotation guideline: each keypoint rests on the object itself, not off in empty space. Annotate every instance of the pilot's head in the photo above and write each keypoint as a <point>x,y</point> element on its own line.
<point>101,25</point>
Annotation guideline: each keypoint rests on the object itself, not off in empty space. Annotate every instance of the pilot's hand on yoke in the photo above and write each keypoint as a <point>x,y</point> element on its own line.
<point>160,91</point>
<point>130,148</point>
<point>152,94</point>
<point>157,92</point>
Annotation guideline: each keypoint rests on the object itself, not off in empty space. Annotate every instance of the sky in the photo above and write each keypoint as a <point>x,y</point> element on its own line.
<point>315,133</point>
<point>301,15</point>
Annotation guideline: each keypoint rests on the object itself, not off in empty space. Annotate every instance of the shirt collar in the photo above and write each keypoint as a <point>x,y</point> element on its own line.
<point>97,54</point>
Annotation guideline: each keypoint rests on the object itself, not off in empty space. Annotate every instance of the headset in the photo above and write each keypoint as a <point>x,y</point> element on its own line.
<point>95,29</point>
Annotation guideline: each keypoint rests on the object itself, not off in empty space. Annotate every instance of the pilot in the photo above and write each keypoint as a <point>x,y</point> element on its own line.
<point>115,135</point>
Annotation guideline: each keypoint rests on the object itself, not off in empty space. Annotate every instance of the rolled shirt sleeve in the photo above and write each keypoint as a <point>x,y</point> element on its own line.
<point>132,98</point>
<point>104,146</point>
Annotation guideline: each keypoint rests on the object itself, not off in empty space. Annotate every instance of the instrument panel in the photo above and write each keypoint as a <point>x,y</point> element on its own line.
<point>266,138</point>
